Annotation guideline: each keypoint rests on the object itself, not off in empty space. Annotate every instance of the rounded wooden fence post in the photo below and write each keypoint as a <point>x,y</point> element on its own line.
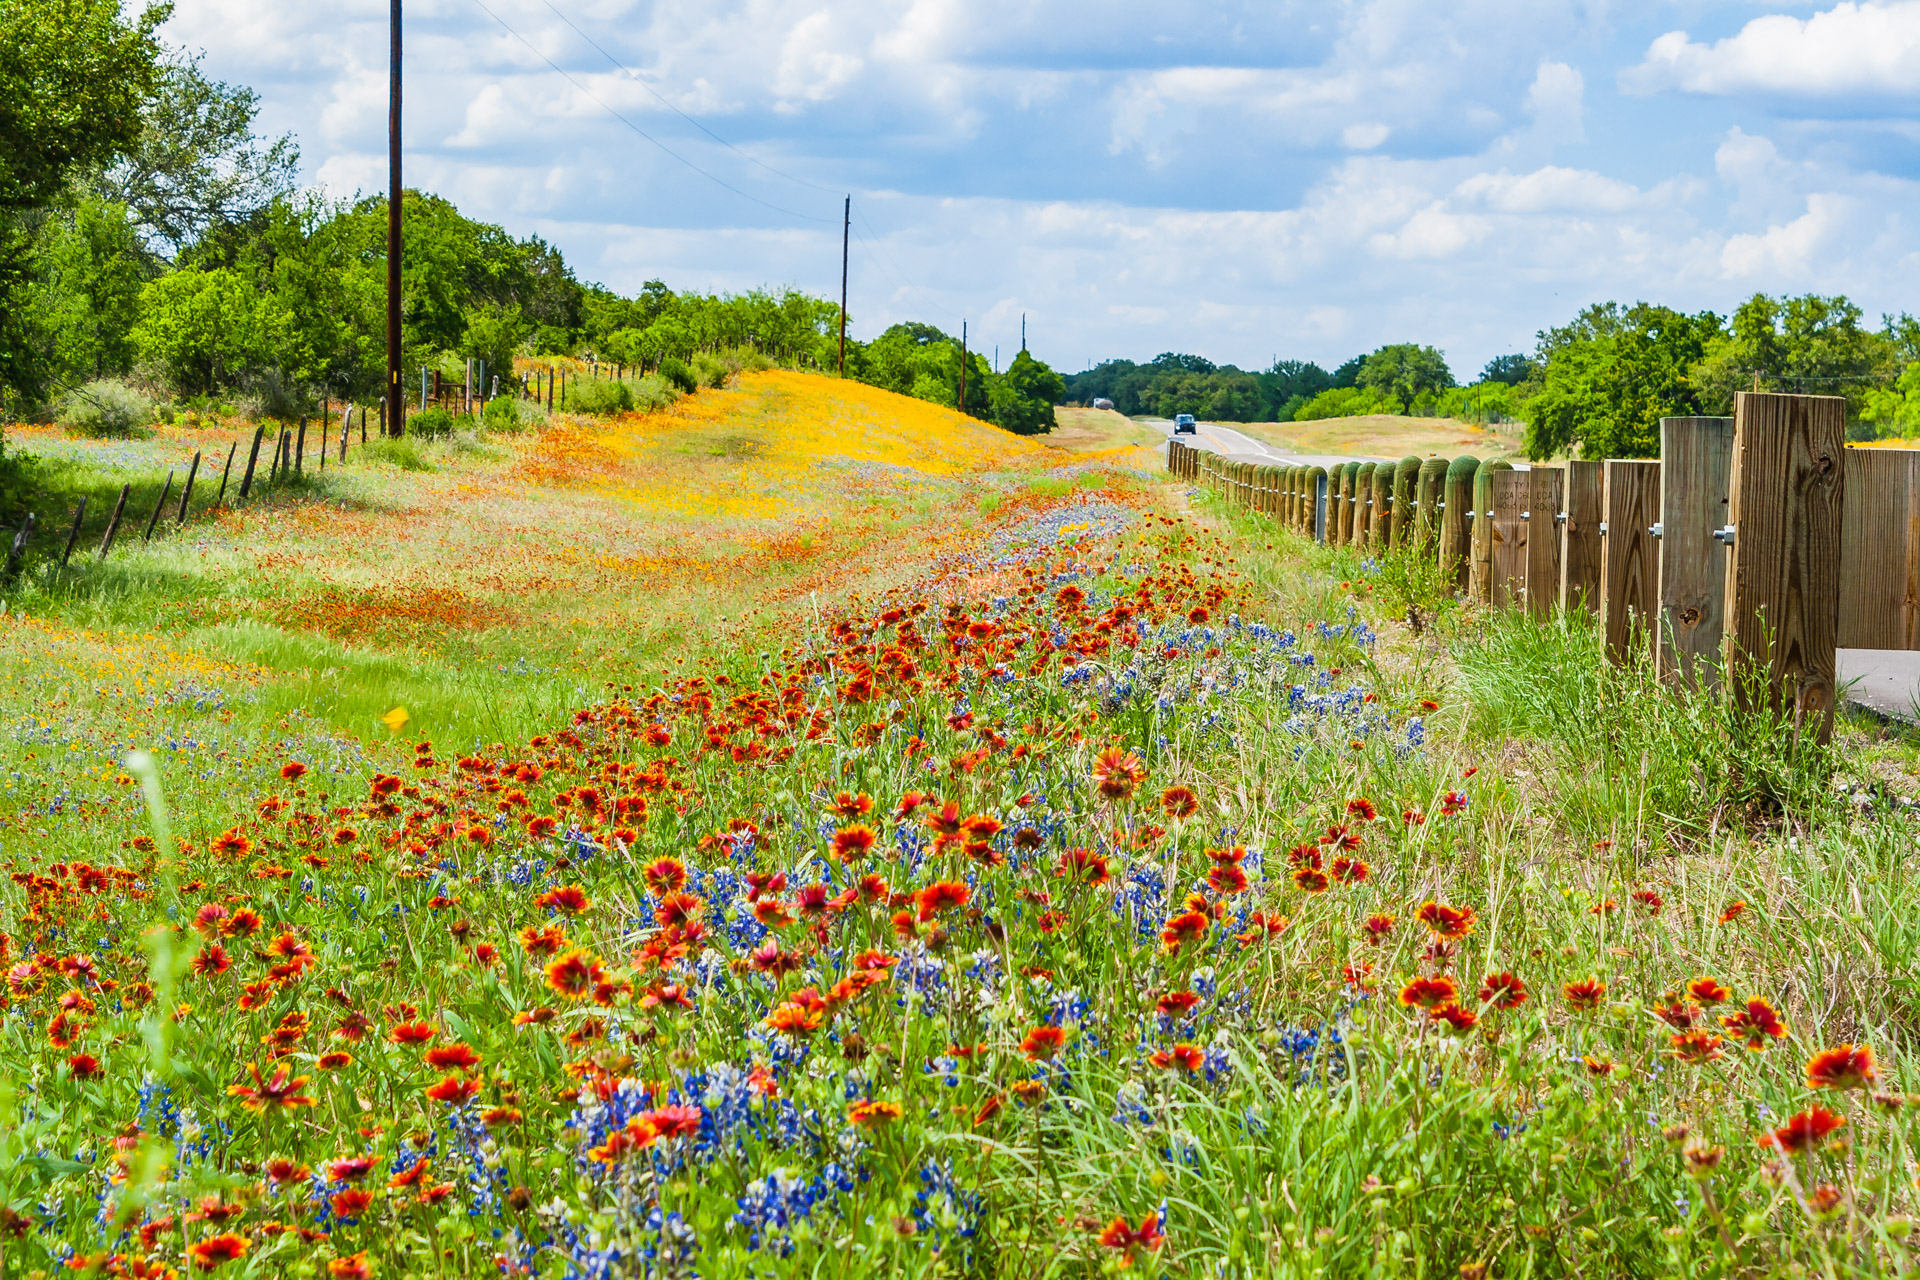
<point>1429,484</point>
<point>1480,579</point>
<point>1456,519</point>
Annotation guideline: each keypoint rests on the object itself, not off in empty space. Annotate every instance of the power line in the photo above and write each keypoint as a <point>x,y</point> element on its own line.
<point>791,213</point>
<point>676,110</point>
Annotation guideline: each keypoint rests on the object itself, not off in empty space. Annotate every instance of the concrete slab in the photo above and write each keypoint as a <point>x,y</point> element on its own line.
<point>1884,681</point>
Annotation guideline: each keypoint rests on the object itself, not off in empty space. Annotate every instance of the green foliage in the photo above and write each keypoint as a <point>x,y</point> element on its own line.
<point>106,407</point>
<point>195,163</point>
<point>1482,402</point>
<point>1023,397</point>
<point>433,423</point>
<point>1809,344</point>
<point>1612,374</point>
<point>1347,402</point>
<point>597,396</point>
<point>203,329</point>
<point>710,371</point>
<point>676,372</point>
<point>1894,411</point>
<point>921,361</point>
<point>1511,370</point>
<point>81,296</point>
<point>1407,372</point>
<point>72,80</point>
<point>507,414</point>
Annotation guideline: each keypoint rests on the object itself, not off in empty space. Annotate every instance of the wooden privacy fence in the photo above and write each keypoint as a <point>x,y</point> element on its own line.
<point>1757,544</point>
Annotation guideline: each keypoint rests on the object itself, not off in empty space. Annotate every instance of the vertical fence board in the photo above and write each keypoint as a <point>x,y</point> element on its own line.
<point>1546,486</point>
<point>1696,457</point>
<point>1363,504</point>
<point>1629,557</point>
<point>1580,537</point>
<point>1456,521</point>
<point>1507,537</point>
<point>1428,487</point>
<point>1880,550</point>
<point>1783,589</point>
<point>1480,579</point>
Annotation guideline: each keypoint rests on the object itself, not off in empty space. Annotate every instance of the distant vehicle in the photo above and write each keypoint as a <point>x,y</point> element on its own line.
<point>1184,425</point>
<point>1101,402</point>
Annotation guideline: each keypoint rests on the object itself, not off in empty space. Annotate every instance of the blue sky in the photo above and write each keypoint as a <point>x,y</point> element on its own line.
<point>1240,180</point>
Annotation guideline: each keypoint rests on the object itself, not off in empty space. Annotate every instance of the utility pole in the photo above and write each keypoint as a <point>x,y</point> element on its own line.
<point>1023,331</point>
<point>846,229</point>
<point>396,398</point>
<point>963,366</point>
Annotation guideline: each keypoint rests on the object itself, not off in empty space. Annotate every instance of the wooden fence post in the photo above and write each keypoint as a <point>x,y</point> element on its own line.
<point>1696,459</point>
<point>246,482</point>
<point>1406,489</point>
<point>1363,504</point>
<point>113,521</point>
<point>300,449</point>
<point>1507,537</point>
<point>1455,519</point>
<point>1429,481</point>
<point>1349,504</point>
<point>1316,495</point>
<point>155,518</point>
<point>1880,550</point>
<point>1545,488</point>
<point>187,492</point>
<point>1380,513</point>
<point>1629,557</point>
<point>1783,588</point>
<point>1579,522</point>
<point>1480,581</point>
<point>73,534</point>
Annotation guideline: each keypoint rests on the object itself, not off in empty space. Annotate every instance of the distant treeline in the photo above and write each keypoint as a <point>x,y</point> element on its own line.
<point>1598,385</point>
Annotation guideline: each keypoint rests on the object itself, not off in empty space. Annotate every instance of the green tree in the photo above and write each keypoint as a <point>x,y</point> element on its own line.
<point>1407,372</point>
<point>80,299</point>
<point>205,328</point>
<point>1611,375</point>
<point>1810,344</point>
<point>1023,397</point>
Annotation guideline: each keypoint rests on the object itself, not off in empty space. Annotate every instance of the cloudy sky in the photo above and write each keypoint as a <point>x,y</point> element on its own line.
<point>1238,179</point>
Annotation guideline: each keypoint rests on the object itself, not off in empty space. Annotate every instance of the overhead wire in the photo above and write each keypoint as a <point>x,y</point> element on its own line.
<point>713,178</point>
<point>669,105</point>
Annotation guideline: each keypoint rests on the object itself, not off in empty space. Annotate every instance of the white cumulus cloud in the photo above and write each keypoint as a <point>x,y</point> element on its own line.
<point>1850,50</point>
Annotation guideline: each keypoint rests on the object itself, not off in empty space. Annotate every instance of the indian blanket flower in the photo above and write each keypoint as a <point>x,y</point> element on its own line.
<point>1188,926</point>
<point>1454,1018</point>
<point>1311,880</point>
<point>215,1251</point>
<point>1586,994</point>
<point>1757,1024</point>
<point>282,1091</point>
<point>1708,992</point>
<point>1377,927</point>
<point>1847,1066</point>
<point>1185,1057</point>
<point>1448,923</point>
<point>665,875</point>
<point>850,844</point>
<point>1803,1131</point>
<point>1503,991</point>
<point>1429,993</point>
<point>574,974</point>
<point>1042,1043</point>
<point>942,895</point>
<point>1128,1241</point>
<point>1695,1047</point>
<point>1179,802</point>
<point>872,1114</point>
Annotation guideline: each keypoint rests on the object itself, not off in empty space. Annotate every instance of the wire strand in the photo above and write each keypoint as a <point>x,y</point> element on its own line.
<point>668,104</point>
<point>718,181</point>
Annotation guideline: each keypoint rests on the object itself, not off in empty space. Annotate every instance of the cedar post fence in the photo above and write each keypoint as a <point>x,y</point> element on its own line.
<point>1756,546</point>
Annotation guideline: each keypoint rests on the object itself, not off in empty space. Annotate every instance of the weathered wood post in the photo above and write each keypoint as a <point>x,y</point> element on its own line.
<point>1380,508</point>
<point>1579,520</point>
<point>1349,501</point>
<point>113,521</point>
<point>300,449</point>
<point>1783,587</point>
<point>1363,504</point>
<point>1507,537</point>
<point>1696,464</point>
<point>1546,487</point>
<point>1316,515</point>
<point>1429,484</point>
<point>19,547</point>
<point>1406,491</point>
<point>1456,519</point>
<point>1480,580</point>
<point>1629,556</point>
<point>1880,550</point>
<point>155,517</point>
<point>253,456</point>
<point>73,534</point>
<point>225,471</point>
<point>187,492</point>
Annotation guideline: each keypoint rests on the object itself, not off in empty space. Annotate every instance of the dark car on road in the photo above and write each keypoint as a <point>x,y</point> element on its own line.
<point>1184,425</point>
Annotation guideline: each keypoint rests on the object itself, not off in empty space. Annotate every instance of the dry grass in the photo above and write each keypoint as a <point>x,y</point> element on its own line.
<point>1386,435</point>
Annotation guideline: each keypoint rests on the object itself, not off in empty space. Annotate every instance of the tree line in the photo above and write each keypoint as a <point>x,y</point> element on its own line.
<point>149,236</point>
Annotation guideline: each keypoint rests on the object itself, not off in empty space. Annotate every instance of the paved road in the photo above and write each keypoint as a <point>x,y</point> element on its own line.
<point>1886,681</point>
<point>1238,446</point>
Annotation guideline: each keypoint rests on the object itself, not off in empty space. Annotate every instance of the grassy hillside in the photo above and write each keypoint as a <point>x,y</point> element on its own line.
<point>805,832</point>
<point>1387,435</point>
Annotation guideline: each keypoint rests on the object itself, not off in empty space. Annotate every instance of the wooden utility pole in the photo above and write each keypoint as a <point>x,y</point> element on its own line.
<point>846,231</point>
<point>963,366</point>
<point>396,414</point>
